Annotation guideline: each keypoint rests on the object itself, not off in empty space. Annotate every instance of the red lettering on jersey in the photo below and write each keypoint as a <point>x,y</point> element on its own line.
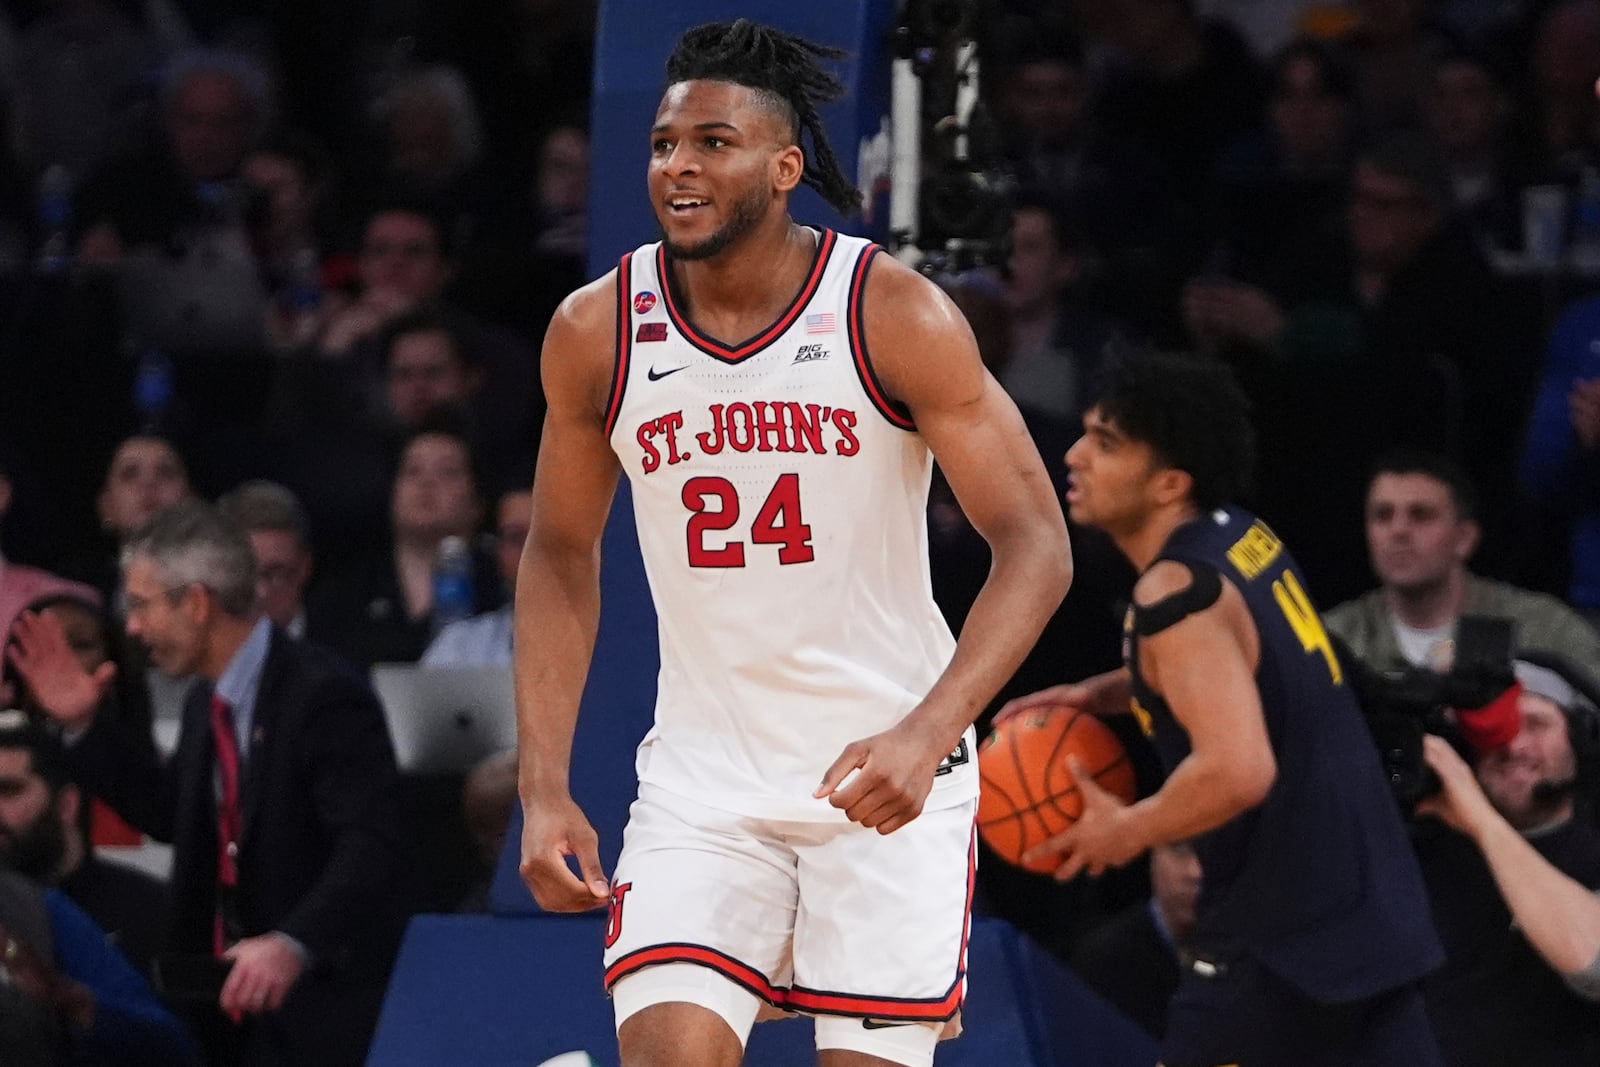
<point>845,422</point>
<point>771,431</point>
<point>808,422</point>
<point>652,455</point>
<point>741,426</point>
<point>614,913</point>
<point>670,425</point>
<point>711,443</point>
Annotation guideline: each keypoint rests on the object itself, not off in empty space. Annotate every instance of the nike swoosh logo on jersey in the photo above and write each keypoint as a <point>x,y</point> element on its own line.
<point>656,376</point>
<point>878,1024</point>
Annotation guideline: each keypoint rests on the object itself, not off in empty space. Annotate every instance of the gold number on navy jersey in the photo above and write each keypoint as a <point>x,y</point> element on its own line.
<point>778,521</point>
<point>1305,621</point>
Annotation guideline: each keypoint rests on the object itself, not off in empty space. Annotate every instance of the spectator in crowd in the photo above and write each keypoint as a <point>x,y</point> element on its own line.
<point>1132,958</point>
<point>403,267</point>
<point>279,801</point>
<point>172,218</point>
<point>21,585</point>
<point>43,820</point>
<point>1391,47</point>
<point>430,140</point>
<point>280,537</point>
<point>145,475</point>
<point>485,639</point>
<point>1281,192</point>
<point>379,608</point>
<point>1556,121</point>
<point>1402,340</point>
<point>517,270</point>
<point>289,181</point>
<point>1055,341</point>
<point>1468,108</point>
<point>1422,529</point>
<point>1560,467</point>
<point>81,73</point>
<point>1113,190</point>
<point>68,996</point>
<point>1187,89</point>
<point>1513,892</point>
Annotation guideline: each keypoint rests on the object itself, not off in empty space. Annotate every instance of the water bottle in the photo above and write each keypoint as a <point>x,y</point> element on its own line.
<point>452,582</point>
<point>55,219</point>
<point>152,389</point>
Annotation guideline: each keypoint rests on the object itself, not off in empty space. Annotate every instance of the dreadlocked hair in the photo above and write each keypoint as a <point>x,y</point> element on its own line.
<point>785,66</point>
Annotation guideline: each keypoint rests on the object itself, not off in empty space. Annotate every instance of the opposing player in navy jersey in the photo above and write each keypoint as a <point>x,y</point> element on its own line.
<point>776,393</point>
<point>1313,928</point>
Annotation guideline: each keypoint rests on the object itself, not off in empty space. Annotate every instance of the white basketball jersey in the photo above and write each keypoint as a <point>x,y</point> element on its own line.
<point>781,499</point>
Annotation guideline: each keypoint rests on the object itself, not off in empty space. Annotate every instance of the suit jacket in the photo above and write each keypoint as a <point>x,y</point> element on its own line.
<point>318,850</point>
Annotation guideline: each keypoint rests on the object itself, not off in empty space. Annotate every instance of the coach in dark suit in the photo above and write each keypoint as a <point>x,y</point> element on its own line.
<point>279,801</point>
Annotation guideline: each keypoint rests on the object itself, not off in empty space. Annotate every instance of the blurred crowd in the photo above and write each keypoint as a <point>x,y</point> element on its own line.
<point>297,258</point>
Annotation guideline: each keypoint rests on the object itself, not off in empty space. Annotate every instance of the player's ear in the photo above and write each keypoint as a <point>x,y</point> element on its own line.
<point>1173,484</point>
<point>787,167</point>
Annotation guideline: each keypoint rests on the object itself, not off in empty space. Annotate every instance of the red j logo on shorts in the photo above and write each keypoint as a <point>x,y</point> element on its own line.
<point>614,913</point>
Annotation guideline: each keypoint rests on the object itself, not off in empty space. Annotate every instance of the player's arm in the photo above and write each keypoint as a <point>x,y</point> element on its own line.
<point>1204,668</point>
<point>925,356</point>
<point>557,609</point>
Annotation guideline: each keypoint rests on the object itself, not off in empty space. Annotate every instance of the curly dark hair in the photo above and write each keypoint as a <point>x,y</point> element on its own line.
<point>1191,411</point>
<point>785,69</point>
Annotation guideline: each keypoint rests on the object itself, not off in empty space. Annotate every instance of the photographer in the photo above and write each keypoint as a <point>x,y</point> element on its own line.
<point>1512,892</point>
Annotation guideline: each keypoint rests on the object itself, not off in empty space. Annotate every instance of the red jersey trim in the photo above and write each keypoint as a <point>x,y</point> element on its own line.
<point>619,372</point>
<point>735,353</point>
<point>816,1001</point>
<point>735,970</point>
<point>897,413</point>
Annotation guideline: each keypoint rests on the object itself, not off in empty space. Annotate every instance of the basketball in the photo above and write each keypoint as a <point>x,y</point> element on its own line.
<point>1028,793</point>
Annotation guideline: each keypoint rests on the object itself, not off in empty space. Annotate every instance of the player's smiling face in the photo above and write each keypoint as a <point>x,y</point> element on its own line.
<point>720,156</point>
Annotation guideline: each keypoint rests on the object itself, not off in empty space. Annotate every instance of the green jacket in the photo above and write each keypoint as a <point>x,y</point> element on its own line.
<point>1540,622</point>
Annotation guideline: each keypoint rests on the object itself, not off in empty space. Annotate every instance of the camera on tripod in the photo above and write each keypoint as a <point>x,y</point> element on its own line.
<point>1402,706</point>
<point>964,194</point>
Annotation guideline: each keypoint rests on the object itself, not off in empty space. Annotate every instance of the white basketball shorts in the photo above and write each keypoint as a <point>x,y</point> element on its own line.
<point>824,918</point>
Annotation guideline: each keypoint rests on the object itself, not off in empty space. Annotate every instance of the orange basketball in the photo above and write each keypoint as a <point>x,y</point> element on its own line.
<point>1028,792</point>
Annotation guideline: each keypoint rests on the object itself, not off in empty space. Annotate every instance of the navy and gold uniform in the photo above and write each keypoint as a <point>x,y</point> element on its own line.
<point>1313,925</point>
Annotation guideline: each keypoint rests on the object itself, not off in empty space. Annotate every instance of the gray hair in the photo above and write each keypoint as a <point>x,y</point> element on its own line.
<point>193,543</point>
<point>442,85</point>
<point>263,505</point>
<point>243,70</point>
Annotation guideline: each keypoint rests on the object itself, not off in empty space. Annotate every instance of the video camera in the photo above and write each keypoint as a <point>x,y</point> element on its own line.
<point>1402,706</point>
<point>964,196</point>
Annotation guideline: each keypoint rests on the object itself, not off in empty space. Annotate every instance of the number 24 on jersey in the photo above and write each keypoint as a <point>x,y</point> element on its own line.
<point>714,506</point>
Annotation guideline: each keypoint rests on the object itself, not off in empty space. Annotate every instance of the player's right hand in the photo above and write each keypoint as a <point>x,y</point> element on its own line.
<point>552,829</point>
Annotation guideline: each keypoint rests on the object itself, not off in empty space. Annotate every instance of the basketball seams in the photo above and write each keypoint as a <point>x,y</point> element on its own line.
<point>1037,768</point>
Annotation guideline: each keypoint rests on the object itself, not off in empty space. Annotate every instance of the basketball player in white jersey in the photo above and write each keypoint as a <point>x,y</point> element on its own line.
<point>776,393</point>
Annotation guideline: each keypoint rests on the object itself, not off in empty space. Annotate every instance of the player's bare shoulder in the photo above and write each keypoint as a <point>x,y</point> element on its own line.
<point>580,344</point>
<point>916,337</point>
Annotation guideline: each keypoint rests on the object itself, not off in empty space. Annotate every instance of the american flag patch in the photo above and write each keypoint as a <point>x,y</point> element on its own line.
<point>822,323</point>
<point>651,331</point>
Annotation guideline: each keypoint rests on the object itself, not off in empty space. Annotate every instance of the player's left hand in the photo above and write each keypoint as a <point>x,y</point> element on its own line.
<point>1101,837</point>
<point>892,775</point>
<point>265,969</point>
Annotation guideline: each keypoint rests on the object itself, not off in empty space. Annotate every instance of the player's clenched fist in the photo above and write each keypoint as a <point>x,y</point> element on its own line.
<point>553,829</point>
